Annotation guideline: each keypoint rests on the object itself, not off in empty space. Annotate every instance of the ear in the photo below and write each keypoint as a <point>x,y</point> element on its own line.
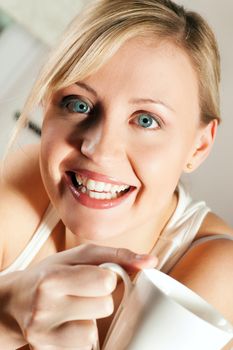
<point>203,144</point>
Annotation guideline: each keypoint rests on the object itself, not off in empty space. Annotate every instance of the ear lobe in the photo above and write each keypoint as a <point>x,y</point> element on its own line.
<point>205,141</point>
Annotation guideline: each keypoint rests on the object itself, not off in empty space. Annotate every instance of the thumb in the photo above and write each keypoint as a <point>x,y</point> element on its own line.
<point>95,255</point>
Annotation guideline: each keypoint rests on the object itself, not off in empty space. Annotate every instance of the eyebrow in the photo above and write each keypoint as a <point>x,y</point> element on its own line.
<point>132,101</point>
<point>87,87</point>
<point>149,100</point>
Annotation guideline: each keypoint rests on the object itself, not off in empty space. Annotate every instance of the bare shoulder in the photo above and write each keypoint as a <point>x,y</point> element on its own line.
<point>23,201</point>
<point>20,174</point>
<point>213,224</point>
<point>20,165</point>
<point>207,270</point>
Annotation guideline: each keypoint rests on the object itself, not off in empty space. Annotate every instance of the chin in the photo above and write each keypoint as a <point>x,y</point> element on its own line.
<point>93,232</point>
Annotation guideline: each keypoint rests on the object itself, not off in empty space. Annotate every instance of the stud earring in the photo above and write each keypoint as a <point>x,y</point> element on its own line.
<point>189,166</point>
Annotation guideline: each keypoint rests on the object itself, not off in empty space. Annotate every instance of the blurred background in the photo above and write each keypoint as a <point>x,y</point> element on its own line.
<point>28,29</point>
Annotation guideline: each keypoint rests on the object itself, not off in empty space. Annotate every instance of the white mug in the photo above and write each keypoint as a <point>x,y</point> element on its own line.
<point>158,312</point>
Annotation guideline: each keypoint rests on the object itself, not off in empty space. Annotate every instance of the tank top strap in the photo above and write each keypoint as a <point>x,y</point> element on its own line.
<point>211,238</point>
<point>49,221</point>
<point>180,231</point>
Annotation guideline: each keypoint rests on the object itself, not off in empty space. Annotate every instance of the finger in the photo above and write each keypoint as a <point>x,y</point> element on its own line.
<point>70,335</point>
<point>72,308</point>
<point>79,334</point>
<point>80,280</point>
<point>95,255</point>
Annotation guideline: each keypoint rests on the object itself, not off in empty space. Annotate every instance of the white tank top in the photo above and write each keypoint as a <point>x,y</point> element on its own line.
<point>174,241</point>
<point>179,234</point>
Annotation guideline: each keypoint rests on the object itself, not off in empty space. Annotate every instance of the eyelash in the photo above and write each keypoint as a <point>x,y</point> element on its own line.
<point>67,100</point>
<point>155,119</point>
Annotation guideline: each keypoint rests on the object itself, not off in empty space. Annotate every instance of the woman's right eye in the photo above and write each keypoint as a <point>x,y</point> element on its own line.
<point>75,104</point>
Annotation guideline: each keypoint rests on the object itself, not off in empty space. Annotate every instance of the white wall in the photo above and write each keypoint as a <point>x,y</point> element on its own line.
<point>21,57</point>
<point>213,181</point>
<point>45,19</point>
<point>23,48</point>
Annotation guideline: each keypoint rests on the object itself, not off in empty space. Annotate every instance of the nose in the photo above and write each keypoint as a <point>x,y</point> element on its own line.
<point>102,145</point>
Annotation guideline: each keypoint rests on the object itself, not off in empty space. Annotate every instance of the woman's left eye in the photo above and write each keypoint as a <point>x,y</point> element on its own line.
<point>146,121</point>
<point>75,105</point>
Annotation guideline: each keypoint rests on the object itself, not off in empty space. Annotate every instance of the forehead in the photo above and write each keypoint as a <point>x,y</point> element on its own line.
<point>152,68</point>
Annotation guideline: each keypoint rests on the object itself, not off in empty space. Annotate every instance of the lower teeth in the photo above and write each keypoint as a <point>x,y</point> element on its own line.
<point>97,195</point>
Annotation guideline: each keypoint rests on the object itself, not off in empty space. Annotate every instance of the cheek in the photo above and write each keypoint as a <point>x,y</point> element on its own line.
<point>161,161</point>
<point>53,150</point>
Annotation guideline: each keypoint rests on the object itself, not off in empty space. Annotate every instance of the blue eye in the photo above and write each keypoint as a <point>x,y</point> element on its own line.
<point>75,105</point>
<point>146,121</point>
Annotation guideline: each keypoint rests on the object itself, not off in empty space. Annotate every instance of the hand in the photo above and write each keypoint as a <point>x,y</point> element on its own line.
<point>56,302</point>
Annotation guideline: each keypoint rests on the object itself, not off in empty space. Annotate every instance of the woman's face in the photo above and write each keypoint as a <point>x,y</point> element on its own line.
<point>134,123</point>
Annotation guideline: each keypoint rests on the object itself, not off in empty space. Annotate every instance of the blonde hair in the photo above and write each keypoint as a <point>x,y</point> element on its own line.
<point>96,34</point>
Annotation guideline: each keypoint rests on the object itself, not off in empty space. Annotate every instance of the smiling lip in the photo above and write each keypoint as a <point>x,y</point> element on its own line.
<point>94,203</point>
<point>98,177</point>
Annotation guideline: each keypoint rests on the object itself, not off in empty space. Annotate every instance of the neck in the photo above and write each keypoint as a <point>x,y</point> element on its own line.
<point>140,240</point>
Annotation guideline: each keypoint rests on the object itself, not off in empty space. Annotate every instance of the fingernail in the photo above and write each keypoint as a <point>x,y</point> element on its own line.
<point>142,256</point>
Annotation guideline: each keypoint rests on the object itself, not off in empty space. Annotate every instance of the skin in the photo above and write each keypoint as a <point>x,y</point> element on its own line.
<point>115,145</point>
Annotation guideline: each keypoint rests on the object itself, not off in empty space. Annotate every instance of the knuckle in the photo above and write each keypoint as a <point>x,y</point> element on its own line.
<point>92,333</point>
<point>108,305</point>
<point>31,337</point>
<point>86,247</point>
<point>39,311</point>
<point>40,298</point>
<point>109,280</point>
<point>124,254</point>
<point>41,289</point>
<point>33,325</point>
<point>47,282</point>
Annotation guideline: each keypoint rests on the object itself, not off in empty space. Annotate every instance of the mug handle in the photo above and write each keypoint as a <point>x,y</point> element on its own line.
<point>128,287</point>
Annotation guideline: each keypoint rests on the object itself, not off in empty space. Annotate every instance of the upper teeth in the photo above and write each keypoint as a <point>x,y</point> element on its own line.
<point>99,186</point>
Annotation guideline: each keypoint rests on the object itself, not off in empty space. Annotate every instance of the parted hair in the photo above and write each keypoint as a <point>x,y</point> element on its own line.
<point>97,32</point>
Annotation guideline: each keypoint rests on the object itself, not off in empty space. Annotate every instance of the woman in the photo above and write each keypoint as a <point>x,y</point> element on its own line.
<point>130,99</point>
